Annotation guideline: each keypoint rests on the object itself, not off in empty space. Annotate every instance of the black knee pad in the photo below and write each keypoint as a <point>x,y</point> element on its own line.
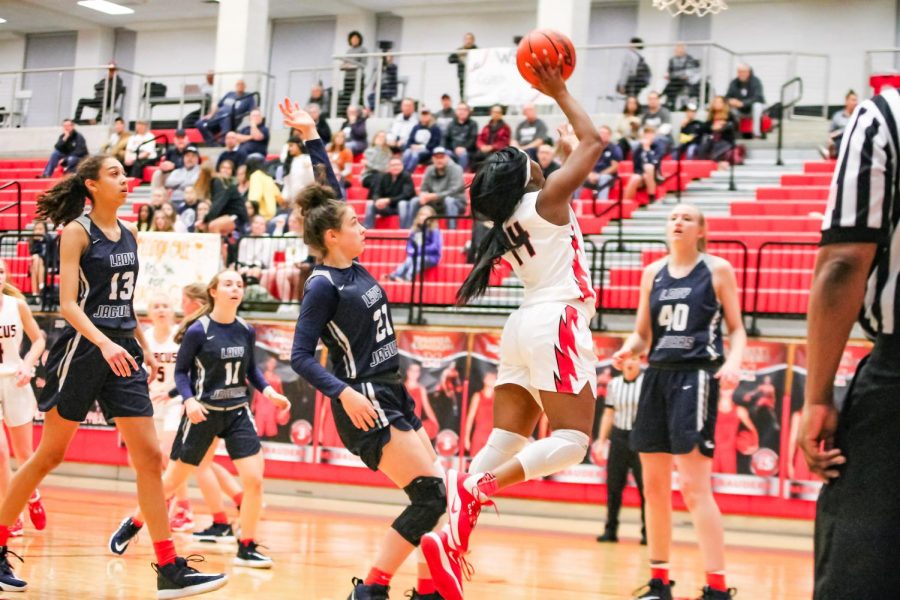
<point>428,502</point>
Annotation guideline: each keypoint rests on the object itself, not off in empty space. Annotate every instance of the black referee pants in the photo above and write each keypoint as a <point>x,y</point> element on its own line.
<point>857,539</point>
<point>621,458</point>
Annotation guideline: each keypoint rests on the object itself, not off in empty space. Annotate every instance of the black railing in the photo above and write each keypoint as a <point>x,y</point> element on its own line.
<point>619,203</point>
<point>17,203</point>
<point>784,111</point>
<point>19,265</point>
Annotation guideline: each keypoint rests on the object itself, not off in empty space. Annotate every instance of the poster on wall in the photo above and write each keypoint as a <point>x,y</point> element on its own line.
<point>170,261</point>
<point>749,424</point>
<point>493,78</point>
<point>801,482</point>
<point>480,399</point>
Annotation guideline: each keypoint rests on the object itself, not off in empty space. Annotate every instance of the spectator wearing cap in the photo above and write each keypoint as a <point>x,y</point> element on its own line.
<point>354,128</point>
<point>423,139</point>
<point>220,120</point>
<point>445,116</point>
<point>461,136</point>
<point>546,158</point>
<point>70,148</point>
<point>531,133</point>
<point>402,125</point>
<point>254,138</point>
<point>391,194</point>
<point>494,136</point>
<point>442,188</point>
<point>172,159</point>
<point>232,152</point>
<point>690,133</point>
<point>186,176</point>
<point>322,128</point>
<point>140,150</point>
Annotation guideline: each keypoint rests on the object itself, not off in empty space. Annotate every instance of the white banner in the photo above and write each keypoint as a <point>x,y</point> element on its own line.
<point>170,261</point>
<point>493,78</point>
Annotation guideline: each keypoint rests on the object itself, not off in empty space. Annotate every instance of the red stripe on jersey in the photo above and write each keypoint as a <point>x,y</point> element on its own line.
<point>565,351</point>
<point>581,276</point>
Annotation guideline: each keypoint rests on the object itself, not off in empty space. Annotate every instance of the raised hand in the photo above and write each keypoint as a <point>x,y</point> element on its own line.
<point>297,118</point>
<point>550,80</point>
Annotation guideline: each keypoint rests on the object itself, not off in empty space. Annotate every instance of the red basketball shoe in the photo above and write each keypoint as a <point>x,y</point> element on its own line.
<point>464,502</point>
<point>36,511</point>
<point>446,566</point>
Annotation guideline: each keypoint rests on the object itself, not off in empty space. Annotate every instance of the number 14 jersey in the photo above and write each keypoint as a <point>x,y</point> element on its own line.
<point>551,262</point>
<point>686,317</point>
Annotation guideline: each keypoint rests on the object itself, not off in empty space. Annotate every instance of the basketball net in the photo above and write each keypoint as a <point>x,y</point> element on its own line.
<point>700,8</point>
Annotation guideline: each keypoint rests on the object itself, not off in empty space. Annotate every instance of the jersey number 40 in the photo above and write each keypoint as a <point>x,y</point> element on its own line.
<point>674,318</point>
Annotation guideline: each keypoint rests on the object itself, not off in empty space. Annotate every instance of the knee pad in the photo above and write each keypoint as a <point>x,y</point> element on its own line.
<point>428,502</point>
<point>501,446</point>
<point>564,448</point>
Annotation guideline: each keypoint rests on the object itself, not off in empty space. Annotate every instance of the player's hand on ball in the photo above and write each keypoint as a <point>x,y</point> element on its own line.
<point>119,360</point>
<point>548,73</point>
<point>359,409</point>
<point>196,412</point>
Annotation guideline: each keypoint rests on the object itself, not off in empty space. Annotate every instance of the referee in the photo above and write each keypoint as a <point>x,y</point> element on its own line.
<point>622,395</point>
<point>857,449</point>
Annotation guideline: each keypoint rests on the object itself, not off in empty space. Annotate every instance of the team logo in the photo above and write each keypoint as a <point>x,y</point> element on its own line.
<point>764,463</point>
<point>447,443</point>
<point>301,432</point>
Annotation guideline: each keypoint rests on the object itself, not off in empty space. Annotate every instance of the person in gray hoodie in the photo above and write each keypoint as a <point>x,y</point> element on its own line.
<point>442,188</point>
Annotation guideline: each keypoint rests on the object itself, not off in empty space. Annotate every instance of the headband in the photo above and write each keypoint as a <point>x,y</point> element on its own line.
<point>527,167</point>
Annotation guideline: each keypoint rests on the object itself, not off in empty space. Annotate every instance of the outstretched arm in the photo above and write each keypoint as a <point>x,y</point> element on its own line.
<point>299,119</point>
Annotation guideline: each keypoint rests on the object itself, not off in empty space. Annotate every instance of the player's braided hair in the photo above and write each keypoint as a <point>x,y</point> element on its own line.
<point>495,192</point>
<point>64,202</point>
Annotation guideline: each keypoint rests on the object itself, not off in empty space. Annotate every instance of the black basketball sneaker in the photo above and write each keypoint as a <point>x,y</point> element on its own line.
<point>248,555</point>
<point>711,594</point>
<point>8,580</point>
<point>119,540</point>
<point>654,590</point>
<point>414,595</point>
<point>180,580</point>
<point>217,533</point>
<point>361,591</point>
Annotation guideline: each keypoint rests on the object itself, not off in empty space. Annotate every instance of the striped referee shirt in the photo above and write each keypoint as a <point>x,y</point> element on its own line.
<point>864,203</point>
<point>622,396</point>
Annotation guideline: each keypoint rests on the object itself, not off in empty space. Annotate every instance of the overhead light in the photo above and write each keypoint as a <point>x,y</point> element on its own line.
<point>104,6</point>
<point>2,20</point>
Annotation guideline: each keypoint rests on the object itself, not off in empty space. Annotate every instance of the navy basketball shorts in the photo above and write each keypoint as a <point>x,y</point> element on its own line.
<point>676,412</point>
<point>77,375</point>
<point>235,426</point>
<point>394,407</point>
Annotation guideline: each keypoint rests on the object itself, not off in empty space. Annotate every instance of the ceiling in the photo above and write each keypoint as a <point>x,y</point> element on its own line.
<point>37,16</point>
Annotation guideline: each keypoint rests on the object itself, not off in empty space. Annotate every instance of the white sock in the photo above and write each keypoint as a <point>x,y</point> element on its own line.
<point>564,448</point>
<point>501,446</point>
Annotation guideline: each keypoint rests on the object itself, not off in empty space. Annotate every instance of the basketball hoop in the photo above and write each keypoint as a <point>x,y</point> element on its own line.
<point>700,8</point>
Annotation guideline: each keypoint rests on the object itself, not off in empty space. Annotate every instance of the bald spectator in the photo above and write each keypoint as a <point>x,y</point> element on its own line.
<point>461,136</point>
<point>494,136</point>
<point>745,97</point>
<point>220,119</point>
<point>546,159</point>
<point>684,79</point>
<point>232,152</point>
<point>459,59</point>
<point>254,138</point>
<point>402,125</point>
<point>531,133</point>
<point>324,131</point>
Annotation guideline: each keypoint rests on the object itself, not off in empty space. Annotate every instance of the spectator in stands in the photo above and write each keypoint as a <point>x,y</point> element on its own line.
<point>242,181</point>
<point>202,211</point>
<point>341,156</point>
<point>221,119</point>
<point>445,116</point>
<point>158,197</point>
<point>187,211</point>
<point>391,195</point>
<point>118,139</point>
<point>531,133</point>
<point>461,136</point>
<point>162,222</point>
<point>459,59</point>
<point>319,96</point>
<point>389,83</point>
<point>423,139</point>
<point>208,87</point>
<point>690,133</point>
<point>684,79</point>
<point>172,159</point>
<point>546,158</point>
<point>144,217</point>
<point>262,188</point>
<point>494,136</point>
<point>402,125</point>
<point>254,138</point>
<point>322,127</point>
<point>658,117</point>
<point>635,72</point>
<point>745,96</point>
<point>255,254</point>
<point>838,124</point>
<point>69,149</point>
<point>140,150</point>
<point>227,210</point>
<point>292,262</point>
<point>376,158</point>
<point>185,176</point>
<point>297,168</point>
<point>646,167</point>
<point>226,169</point>
<point>354,129</point>
<point>106,92</point>
<point>421,246</point>
<point>40,248</point>
<point>232,152</point>
<point>442,188</point>
<point>628,126</point>
<point>354,69</point>
<point>606,167</point>
<point>719,132</point>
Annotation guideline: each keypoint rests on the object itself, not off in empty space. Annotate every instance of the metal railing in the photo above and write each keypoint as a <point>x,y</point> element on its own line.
<point>785,106</point>
<point>17,203</point>
<point>19,266</point>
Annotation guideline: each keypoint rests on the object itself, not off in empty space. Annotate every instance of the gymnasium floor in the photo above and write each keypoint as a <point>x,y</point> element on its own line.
<point>318,545</point>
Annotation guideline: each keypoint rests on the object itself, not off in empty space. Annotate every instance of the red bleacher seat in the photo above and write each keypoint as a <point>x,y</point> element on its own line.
<point>193,135</point>
<point>746,125</point>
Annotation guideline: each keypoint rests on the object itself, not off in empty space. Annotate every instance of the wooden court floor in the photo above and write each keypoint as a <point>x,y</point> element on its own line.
<point>318,546</point>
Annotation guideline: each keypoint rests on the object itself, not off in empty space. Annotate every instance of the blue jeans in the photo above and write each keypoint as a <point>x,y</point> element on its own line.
<point>412,157</point>
<point>407,269</point>
<point>461,159</point>
<point>452,207</point>
<point>70,163</point>
<point>214,126</point>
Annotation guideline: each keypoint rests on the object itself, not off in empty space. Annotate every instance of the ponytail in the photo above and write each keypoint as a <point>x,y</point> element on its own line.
<point>192,318</point>
<point>496,192</point>
<point>11,290</point>
<point>64,202</point>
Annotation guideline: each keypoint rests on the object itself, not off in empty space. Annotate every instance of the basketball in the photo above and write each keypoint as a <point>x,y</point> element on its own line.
<point>537,42</point>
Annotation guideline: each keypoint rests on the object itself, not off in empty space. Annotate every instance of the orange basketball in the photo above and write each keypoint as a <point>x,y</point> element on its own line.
<point>537,42</point>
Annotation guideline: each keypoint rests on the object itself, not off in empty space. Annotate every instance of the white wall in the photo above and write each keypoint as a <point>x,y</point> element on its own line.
<point>12,53</point>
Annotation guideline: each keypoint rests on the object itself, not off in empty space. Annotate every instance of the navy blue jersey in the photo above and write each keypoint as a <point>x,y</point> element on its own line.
<point>686,317</point>
<point>349,311</point>
<point>107,275</point>
<point>215,362</point>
